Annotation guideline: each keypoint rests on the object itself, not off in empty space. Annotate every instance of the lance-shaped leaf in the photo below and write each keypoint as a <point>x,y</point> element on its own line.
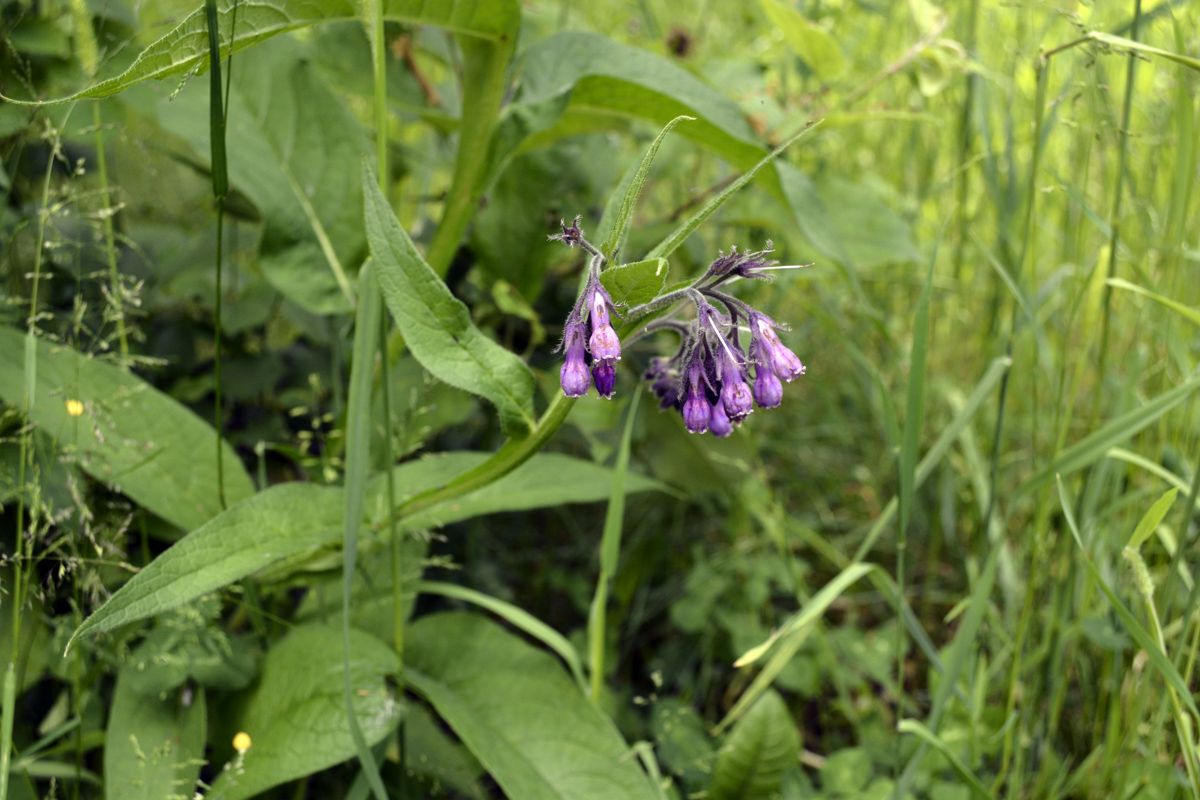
<point>125,432</point>
<point>437,326</point>
<point>153,746</point>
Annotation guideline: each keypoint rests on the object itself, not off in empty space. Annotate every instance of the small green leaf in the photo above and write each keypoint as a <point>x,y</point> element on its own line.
<point>153,746</point>
<point>636,283</point>
<point>128,434</point>
<point>437,326</point>
<point>520,714</point>
<point>616,236</point>
<point>295,715</point>
<point>1149,523</point>
<point>760,748</point>
<point>818,49</point>
<point>1187,312</point>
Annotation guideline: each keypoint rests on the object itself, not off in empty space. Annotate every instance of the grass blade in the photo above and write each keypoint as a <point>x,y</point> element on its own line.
<point>669,245</point>
<point>1189,313</point>
<point>516,616</point>
<point>1147,525</point>
<point>616,236</point>
<point>931,738</point>
<point>358,443</point>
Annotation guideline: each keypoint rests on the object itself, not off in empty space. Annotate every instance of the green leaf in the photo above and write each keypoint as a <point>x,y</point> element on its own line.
<point>1130,44</point>
<point>760,749</point>
<point>258,531</point>
<point>130,435</point>
<point>519,713</point>
<point>1096,444</point>
<point>517,617</point>
<point>437,326</point>
<point>297,158</point>
<point>636,283</point>
<point>547,479</point>
<point>818,49</point>
<point>1149,523</point>
<point>932,739</point>
<point>1140,635</point>
<point>153,746</point>
<point>295,716</point>
<point>1188,313</point>
<point>185,48</point>
<point>914,408</point>
<point>616,236</point>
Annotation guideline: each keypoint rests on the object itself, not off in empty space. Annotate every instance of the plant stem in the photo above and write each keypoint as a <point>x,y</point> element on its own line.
<point>110,247</point>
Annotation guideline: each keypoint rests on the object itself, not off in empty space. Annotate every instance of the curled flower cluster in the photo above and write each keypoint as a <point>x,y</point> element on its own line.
<point>708,380</point>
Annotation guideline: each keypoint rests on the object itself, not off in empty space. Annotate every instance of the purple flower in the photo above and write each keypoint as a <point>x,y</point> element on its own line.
<point>574,374</point>
<point>718,422</point>
<point>771,352</point>
<point>735,392</point>
<point>768,391</point>
<point>605,376</point>
<point>664,378</point>
<point>603,344</point>
<point>696,410</point>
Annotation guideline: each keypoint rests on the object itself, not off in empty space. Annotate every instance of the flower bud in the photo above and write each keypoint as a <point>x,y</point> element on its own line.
<point>696,410</point>
<point>605,377</point>
<point>768,391</point>
<point>772,353</point>
<point>574,373</point>
<point>718,422</point>
<point>735,392</point>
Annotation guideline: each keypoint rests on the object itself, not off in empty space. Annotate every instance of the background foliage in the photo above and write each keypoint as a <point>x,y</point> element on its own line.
<point>955,563</point>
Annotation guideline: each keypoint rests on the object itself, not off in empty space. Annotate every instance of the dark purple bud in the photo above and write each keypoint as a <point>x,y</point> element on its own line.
<point>605,346</point>
<point>696,409</point>
<point>696,412</point>
<point>574,374</point>
<point>745,265</point>
<point>768,391</point>
<point>771,352</point>
<point>718,422</point>
<point>605,376</point>
<point>570,236</point>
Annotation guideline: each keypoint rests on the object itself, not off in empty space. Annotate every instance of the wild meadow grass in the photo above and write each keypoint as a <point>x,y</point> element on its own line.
<point>955,562</point>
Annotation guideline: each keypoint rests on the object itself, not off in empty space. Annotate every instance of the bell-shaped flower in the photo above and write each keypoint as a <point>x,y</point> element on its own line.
<point>768,391</point>
<point>605,377</point>
<point>771,352</point>
<point>718,421</point>
<point>574,373</point>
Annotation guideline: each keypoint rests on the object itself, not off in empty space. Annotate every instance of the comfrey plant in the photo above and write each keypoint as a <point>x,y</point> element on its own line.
<point>708,378</point>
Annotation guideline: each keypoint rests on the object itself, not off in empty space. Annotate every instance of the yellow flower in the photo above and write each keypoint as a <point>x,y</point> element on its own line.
<point>74,407</point>
<point>241,742</point>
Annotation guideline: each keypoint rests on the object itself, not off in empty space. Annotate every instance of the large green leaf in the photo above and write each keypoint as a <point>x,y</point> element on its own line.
<point>153,746</point>
<point>129,435</point>
<point>252,534</point>
<point>294,713</point>
<point>609,83</point>
<point>437,326</point>
<point>297,155</point>
<point>185,48</point>
<point>291,517</point>
<point>520,714</point>
<point>760,748</point>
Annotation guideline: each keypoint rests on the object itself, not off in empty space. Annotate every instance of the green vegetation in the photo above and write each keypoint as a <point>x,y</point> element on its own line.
<point>293,505</point>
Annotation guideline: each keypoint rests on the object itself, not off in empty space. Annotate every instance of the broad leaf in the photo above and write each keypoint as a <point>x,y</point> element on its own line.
<point>636,283</point>
<point>271,525</point>
<point>437,326</point>
<point>297,158</point>
<point>129,435</point>
<point>295,716</point>
<point>185,48</point>
<point>153,746</point>
<point>760,748</point>
<point>520,714</point>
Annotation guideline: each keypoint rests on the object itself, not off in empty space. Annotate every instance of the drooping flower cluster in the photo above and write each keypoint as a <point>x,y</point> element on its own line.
<point>708,380</point>
<point>588,335</point>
